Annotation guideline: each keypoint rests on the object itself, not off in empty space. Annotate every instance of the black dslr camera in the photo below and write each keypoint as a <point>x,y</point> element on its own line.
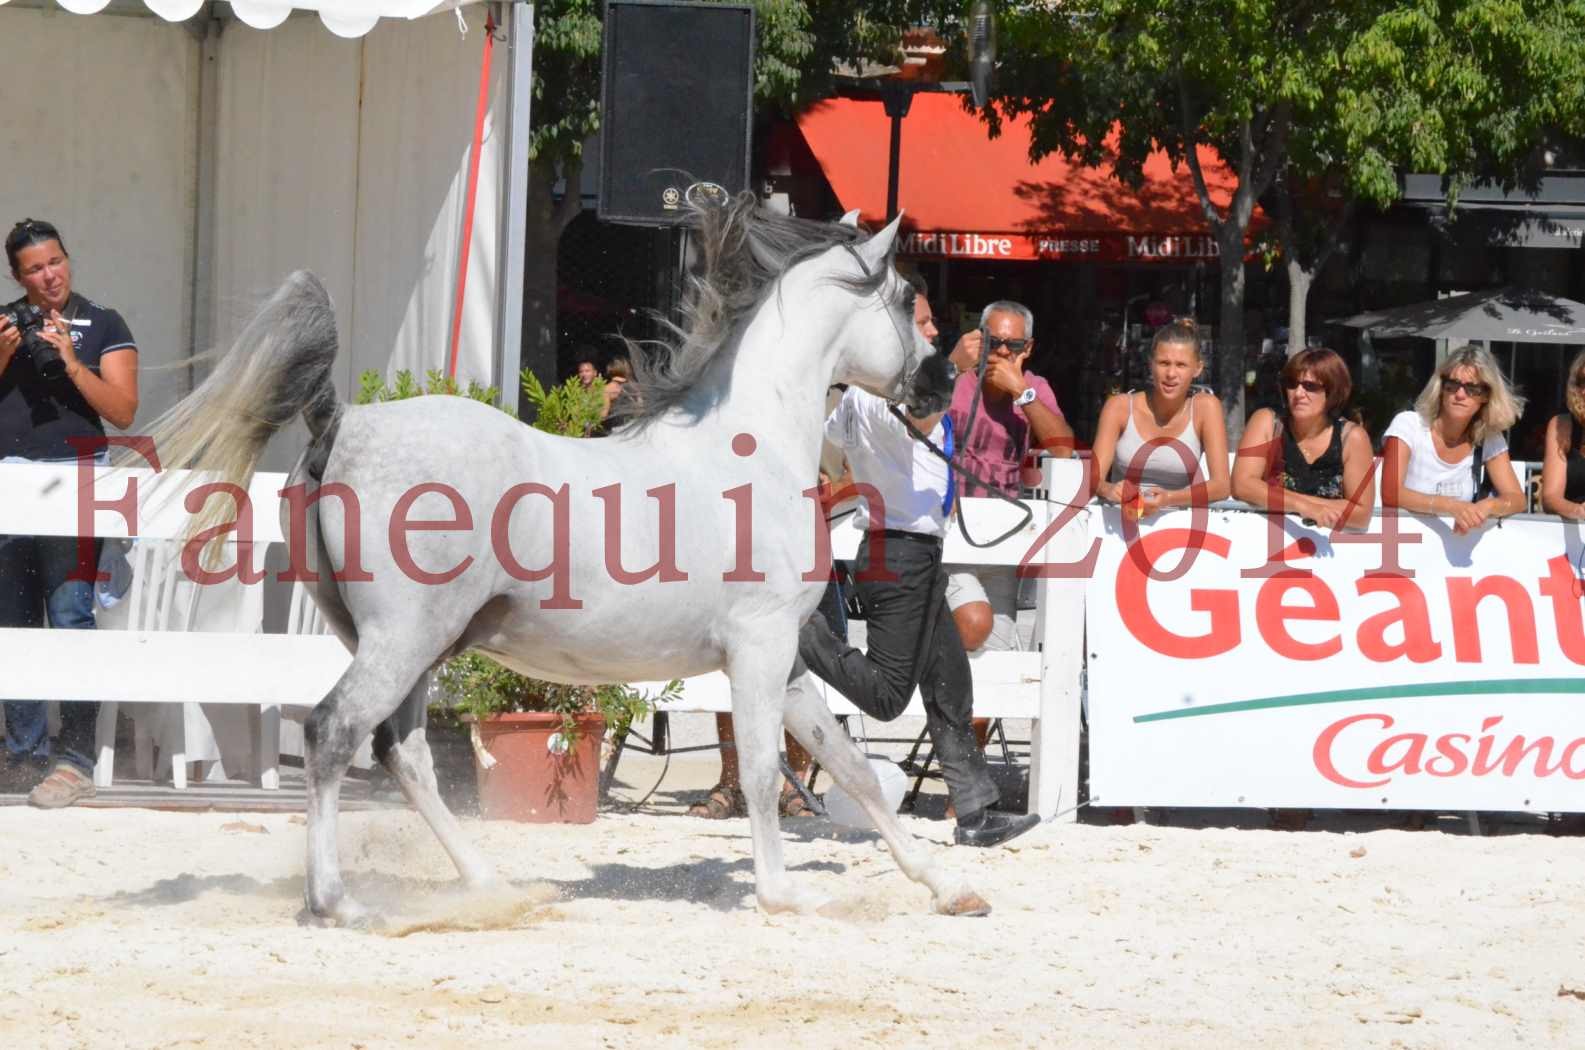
<point>29,320</point>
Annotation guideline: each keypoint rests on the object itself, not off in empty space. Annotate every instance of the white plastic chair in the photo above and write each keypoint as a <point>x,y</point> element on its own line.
<point>163,599</point>
<point>152,604</point>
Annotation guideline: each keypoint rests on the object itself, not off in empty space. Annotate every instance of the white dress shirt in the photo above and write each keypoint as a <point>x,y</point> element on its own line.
<point>910,478</point>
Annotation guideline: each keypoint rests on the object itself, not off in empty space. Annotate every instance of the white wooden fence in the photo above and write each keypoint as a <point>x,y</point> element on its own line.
<point>180,647</point>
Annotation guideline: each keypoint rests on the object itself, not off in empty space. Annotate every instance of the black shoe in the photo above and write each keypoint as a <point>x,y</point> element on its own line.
<point>990,828</point>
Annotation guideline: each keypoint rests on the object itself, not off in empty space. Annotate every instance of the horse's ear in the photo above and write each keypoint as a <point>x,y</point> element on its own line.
<point>850,219</point>
<point>875,251</point>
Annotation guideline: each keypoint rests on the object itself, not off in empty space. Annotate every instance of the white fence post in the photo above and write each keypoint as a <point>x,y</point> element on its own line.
<point>1054,748</point>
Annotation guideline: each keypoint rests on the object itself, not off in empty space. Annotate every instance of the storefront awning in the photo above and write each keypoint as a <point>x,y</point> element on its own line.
<point>965,195</point>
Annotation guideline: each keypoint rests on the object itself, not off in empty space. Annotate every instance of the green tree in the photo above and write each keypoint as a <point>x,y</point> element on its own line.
<point>1311,105</point>
<point>1468,90</point>
<point>800,43</point>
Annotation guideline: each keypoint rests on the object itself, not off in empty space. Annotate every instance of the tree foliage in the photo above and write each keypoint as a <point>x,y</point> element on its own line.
<point>799,45</point>
<point>1325,102</point>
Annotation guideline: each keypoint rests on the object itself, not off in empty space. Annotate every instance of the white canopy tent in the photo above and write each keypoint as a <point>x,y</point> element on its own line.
<point>190,165</point>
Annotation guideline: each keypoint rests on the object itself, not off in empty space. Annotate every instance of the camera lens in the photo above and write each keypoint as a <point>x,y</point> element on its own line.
<point>47,360</point>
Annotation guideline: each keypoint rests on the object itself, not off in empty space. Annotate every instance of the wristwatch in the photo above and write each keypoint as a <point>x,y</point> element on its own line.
<point>1027,396</point>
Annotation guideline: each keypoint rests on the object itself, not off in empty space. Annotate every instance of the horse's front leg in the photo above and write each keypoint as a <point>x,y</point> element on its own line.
<point>817,729</point>
<point>758,671</point>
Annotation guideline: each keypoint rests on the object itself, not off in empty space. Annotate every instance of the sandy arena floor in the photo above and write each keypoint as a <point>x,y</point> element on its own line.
<point>132,928</point>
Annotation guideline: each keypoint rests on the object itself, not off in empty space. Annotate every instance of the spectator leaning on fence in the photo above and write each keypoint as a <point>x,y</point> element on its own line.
<point>1016,412</point>
<point>1308,459</point>
<point>1190,423</point>
<point>1433,457</point>
<point>59,382</point>
<point>1563,468</point>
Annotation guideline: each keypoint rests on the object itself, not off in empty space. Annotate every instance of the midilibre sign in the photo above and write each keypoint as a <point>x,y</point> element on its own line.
<point>1109,246</point>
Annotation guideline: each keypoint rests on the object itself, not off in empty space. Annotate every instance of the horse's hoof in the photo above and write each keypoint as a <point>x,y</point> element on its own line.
<point>347,915</point>
<point>485,881</point>
<point>800,902</point>
<point>965,903</point>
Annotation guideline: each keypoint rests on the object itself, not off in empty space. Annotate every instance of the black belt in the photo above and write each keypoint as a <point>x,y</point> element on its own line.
<point>904,534</point>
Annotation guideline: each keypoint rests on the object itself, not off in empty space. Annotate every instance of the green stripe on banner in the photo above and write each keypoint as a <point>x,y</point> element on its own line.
<point>1486,687</point>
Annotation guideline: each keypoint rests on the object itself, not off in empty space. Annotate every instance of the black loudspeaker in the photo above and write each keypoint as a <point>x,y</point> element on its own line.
<point>676,91</point>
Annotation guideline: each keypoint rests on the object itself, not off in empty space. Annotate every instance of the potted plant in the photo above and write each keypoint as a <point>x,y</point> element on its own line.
<point>535,744</point>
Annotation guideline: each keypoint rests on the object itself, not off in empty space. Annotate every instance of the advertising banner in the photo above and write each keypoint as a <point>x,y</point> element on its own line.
<point>1065,245</point>
<point>1248,659</point>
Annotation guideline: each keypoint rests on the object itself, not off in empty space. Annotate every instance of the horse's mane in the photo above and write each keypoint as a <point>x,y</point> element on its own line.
<point>743,252</point>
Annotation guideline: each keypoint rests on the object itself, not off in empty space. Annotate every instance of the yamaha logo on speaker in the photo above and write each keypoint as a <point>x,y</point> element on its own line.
<point>702,194</point>
<point>670,198</point>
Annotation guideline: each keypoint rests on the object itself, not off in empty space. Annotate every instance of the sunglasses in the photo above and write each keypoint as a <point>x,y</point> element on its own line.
<point>1015,345</point>
<point>1310,385</point>
<point>1476,390</point>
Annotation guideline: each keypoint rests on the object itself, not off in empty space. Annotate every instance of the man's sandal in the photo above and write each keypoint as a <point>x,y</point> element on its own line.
<point>722,803</point>
<point>65,785</point>
<point>792,803</point>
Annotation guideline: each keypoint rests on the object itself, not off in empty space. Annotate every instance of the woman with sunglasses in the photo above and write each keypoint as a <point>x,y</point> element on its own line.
<point>1308,460</point>
<point>1172,413</point>
<point>1563,469</point>
<point>1429,456</point>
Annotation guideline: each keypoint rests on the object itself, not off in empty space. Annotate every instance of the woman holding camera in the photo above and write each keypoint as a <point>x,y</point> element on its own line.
<point>67,365</point>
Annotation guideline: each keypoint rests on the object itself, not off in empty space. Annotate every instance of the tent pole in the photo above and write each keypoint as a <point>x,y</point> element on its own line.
<point>201,323</point>
<point>519,24</point>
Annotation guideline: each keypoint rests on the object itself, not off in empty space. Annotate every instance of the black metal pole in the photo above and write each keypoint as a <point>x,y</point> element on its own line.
<point>898,98</point>
<point>893,162</point>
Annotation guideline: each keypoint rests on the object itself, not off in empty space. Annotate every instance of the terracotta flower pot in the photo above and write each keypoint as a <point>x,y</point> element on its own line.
<point>536,778</point>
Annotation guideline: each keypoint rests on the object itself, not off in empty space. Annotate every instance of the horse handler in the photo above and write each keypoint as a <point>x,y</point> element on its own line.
<point>913,639</point>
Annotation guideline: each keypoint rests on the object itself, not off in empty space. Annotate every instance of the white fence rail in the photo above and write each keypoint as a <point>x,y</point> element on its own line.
<point>1502,608</point>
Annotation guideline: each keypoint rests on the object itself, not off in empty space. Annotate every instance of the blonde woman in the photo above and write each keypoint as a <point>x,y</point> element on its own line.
<point>1563,469</point>
<point>1192,423</point>
<point>1432,456</point>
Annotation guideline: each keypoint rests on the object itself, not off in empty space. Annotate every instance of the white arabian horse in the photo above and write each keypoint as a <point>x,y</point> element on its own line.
<point>521,558</point>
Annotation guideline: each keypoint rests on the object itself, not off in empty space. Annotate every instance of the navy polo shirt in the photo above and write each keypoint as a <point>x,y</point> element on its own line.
<point>38,415</point>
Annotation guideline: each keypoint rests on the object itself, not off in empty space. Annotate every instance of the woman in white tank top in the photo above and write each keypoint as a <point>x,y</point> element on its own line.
<point>1150,477</point>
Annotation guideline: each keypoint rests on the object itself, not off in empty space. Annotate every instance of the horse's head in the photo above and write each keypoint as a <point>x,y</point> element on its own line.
<point>879,347</point>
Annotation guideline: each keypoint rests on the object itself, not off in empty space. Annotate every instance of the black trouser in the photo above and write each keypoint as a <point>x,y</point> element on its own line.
<point>904,612</point>
<point>33,583</point>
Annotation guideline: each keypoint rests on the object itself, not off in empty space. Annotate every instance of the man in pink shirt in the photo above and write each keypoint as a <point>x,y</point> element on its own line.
<point>1016,412</point>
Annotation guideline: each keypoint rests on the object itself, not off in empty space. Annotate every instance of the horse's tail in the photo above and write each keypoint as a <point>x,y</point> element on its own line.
<point>279,366</point>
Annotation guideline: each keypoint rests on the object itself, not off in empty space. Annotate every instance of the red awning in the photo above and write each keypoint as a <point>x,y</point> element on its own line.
<point>965,195</point>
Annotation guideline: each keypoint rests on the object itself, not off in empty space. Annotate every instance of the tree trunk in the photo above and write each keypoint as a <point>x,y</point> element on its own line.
<point>539,276</point>
<point>547,218</point>
<point>1230,366</point>
<point>1299,281</point>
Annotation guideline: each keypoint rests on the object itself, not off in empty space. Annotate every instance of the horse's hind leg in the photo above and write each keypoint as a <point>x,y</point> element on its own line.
<point>816,728</point>
<point>367,694</point>
<point>402,747</point>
